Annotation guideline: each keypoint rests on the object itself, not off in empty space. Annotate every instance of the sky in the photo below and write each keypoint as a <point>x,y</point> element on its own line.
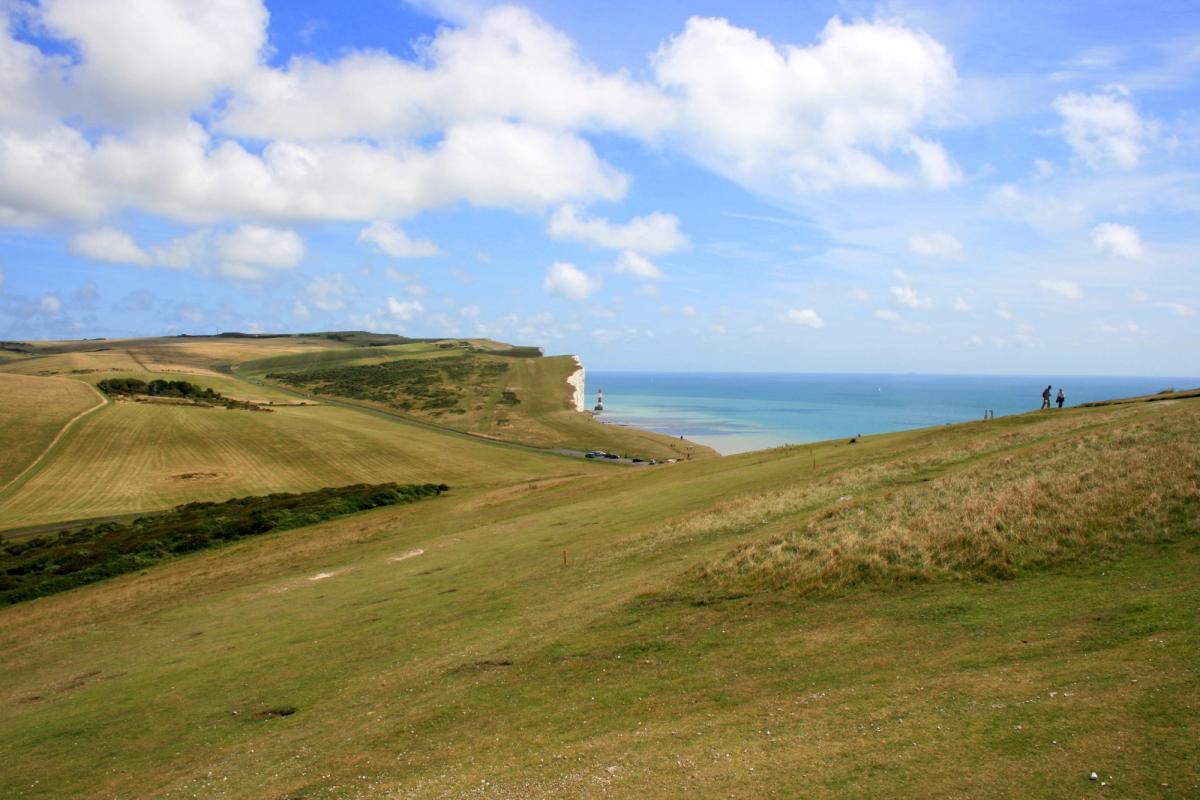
<point>965,187</point>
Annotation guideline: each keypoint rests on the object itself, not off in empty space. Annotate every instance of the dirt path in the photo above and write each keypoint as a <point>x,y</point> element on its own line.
<point>58,436</point>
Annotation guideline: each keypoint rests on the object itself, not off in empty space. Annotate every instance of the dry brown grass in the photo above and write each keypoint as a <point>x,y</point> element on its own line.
<point>1049,502</point>
<point>32,412</point>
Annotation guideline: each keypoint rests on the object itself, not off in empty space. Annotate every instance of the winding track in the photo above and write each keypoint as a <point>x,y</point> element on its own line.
<point>18,479</point>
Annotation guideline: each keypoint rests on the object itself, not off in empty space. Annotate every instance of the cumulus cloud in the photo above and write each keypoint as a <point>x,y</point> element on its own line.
<point>49,304</point>
<point>148,58</point>
<point>326,291</point>
<point>109,244</point>
<point>252,252</point>
<point>150,112</point>
<point>936,245</point>
<point>1122,241</point>
<point>395,242</point>
<point>631,263</point>
<point>888,315</point>
<point>404,310</point>
<point>654,233</point>
<point>569,281</point>
<point>113,245</point>
<point>506,63</point>
<point>804,316</point>
<point>1067,289</point>
<point>1104,129</point>
<point>909,297</point>
<point>391,318</point>
<point>960,305</point>
<point>1178,309</point>
<point>782,118</point>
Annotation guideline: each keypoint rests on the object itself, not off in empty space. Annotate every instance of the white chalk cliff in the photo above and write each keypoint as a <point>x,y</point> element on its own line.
<point>576,381</point>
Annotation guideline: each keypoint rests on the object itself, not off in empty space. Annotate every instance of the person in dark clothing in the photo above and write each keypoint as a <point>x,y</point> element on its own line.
<point>1046,397</point>
<point>1062,398</point>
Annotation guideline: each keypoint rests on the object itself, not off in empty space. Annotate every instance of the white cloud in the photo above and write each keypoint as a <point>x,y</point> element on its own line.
<point>960,305</point>
<point>182,173</point>
<point>907,296</point>
<point>395,242</point>
<point>488,113</point>
<point>781,119</point>
<point>326,291</point>
<point>1122,327</point>
<point>503,64</point>
<point>251,252</point>
<point>49,304</point>
<point>1002,311</point>
<point>936,245</point>
<point>889,315</point>
<point>805,316</point>
<point>688,311</point>
<point>416,290</point>
<point>631,263</point>
<point>404,310</point>
<point>1104,129</point>
<point>1067,289</point>
<point>116,246</point>
<point>143,59</point>
<point>109,244</point>
<point>1119,240</point>
<point>1178,309</point>
<point>654,233</point>
<point>300,310</point>
<point>569,281</point>
<point>469,312</point>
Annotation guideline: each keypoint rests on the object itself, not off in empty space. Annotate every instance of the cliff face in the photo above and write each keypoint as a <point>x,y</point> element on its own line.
<point>576,381</point>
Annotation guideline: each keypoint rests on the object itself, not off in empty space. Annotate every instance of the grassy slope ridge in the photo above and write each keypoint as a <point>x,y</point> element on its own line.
<point>988,610</point>
<point>542,415</point>
<point>135,458</point>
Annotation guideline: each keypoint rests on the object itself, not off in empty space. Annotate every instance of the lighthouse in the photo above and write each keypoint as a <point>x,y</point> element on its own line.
<point>599,400</point>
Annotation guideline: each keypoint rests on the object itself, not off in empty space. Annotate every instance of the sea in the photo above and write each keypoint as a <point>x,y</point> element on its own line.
<point>739,412</point>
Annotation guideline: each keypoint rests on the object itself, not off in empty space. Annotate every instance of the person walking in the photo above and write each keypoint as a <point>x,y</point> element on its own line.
<point>1062,398</point>
<point>1046,397</point>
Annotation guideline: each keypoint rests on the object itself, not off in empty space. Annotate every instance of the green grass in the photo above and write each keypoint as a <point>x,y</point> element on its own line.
<point>446,649</point>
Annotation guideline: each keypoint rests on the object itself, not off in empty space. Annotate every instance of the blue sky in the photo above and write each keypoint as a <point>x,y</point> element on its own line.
<point>762,186</point>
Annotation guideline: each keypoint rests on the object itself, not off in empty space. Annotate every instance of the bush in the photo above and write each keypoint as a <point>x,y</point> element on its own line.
<point>45,565</point>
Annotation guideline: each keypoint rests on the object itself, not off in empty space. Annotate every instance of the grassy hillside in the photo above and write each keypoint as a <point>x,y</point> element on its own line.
<point>131,457</point>
<point>475,386</point>
<point>987,610</point>
<point>32,413</point>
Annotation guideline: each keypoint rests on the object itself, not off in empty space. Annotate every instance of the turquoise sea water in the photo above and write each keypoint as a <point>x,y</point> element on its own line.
<point>736,412</point>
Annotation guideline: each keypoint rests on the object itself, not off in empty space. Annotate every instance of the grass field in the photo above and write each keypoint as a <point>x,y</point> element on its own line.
<point>987,610</point>
<point>134,457</point>
<point>128,458</point>
<point>32,412</point>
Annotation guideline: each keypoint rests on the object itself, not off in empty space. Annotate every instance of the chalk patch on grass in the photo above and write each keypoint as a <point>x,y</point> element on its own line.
<point>320,576</point>
<point>409,554</point>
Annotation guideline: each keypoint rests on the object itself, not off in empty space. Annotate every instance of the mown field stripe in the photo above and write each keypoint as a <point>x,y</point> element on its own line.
<point>19,480</point>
